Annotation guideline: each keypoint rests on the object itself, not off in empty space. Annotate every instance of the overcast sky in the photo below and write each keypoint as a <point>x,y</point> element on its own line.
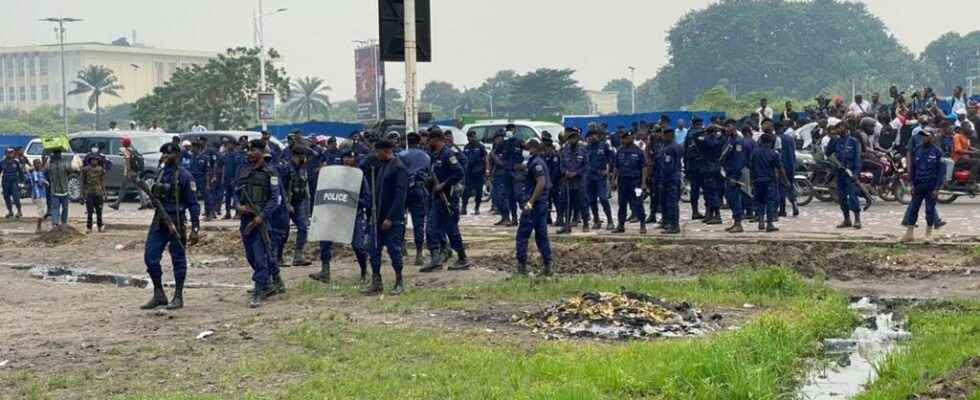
<point>472,39</point>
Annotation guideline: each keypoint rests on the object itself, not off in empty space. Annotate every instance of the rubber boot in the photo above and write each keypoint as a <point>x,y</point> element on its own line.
<point>736,228</point>
<point>159,297</point>
<point>375,287</point>
<point>909,234</point>
<point>771,228</point>
<point>323,275</point>
<point>299,259</point>
<point>462,263</point>
<point>435,262</point>
<point>399,287</point>
<point>857,220</point>
<point>846,223</point>
<point>178,299</point>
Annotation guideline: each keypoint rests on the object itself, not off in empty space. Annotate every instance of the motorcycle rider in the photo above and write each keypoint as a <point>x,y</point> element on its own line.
<point>965,155</point>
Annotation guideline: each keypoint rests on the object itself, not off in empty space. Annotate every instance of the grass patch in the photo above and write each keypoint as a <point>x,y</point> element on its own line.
<point>942,339</point>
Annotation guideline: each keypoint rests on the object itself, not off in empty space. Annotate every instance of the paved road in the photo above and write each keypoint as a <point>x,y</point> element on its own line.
<point>817,221</point>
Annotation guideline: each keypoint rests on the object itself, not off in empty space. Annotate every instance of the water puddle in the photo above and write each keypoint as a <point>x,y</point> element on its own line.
<point>851,361</point>
<point>56,273</point>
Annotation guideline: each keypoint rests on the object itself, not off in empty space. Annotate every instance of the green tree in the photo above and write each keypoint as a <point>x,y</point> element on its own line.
<point>96,80</point>
<point>345,111</point>
<point>394,106</point>
<point>547,91</point>
<point>955,57</point>
<point>308,98</point>
<point>624,94</point>
<point>220,94</point>
<point>442,95</point>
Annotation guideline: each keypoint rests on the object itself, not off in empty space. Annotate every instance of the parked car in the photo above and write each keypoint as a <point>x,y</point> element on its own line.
<point>215,137</point>
<point>525,130</point>
<point>109,143</point>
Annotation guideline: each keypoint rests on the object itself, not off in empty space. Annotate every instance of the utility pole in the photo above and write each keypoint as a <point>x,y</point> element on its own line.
<point>632,87</point>
<point>260,34</point>
<point>61,42</point>
<point>411,114</point>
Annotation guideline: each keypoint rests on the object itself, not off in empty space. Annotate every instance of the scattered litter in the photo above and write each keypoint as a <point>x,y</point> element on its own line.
<point>204,335</point>
<point>617,316</point>
<point>747,305</point>
<point>4,363</point>
<point>65,274</point>
<point>120,247</point>
<point>489,330</point>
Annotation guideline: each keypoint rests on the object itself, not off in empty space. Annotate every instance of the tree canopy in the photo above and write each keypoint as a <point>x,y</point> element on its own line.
<point>624,94</point>
<point>955,58</point>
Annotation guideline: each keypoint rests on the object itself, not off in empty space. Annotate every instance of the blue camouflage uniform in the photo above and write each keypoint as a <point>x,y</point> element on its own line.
<point>361,241</point>
<point>848,153</point>
<point>475,178</point>
<point>652,153</point>
<point>418,165</point>
<point>733,163</point>
<point>572,170</point>
<point>669,179</point>
<point>928,174</point>
<point>279,222</point>
<point>175,189</point>
<point>389,189</point>
<point>553,161</point>
<point>296,186</point>
<point>787,155</point>
<point>443,211</point>
<point>710,146</point>
<point>599,158</point>
<point>692,166</point>
<point>763,164</point>
<point>630,161</point>
<point>233,161</point>
<point>259,189</point>
<point>535,219</point>
<point>12,173</point>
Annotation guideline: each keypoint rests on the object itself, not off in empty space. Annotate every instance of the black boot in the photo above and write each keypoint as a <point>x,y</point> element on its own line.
<point>178,300</point>
<point>278,286</point>
<point>419,261</point>
<point>522,269</point>
<point>762,225</point>
<point>324,274</point>
<point>695,214</point>
<point>796,210</point>
<point>736,228</point>
<point>619,229</point>
<point>546,271</point>
<point>299,259</point>
<point>771,228</point>
<point>643,228</point>
<point>399,287</point>
<point>462,263</point>
<point>435,262</point>
<point>846,223</point>
<point>258,296</point>
<point>585,226</point>
<point>857,220</point>
<point>673,230</point>
<point>375,288</point>
<point>159,297</point>
<point>713,218</point>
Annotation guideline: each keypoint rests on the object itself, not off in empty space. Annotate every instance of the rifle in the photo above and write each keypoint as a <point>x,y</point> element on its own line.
<point>840,167</point>
<point>263,228</point>
<point>161,212</point>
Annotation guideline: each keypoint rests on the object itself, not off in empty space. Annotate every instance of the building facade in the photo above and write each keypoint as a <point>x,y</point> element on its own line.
<point>603,103</point>
<point>30,76</point>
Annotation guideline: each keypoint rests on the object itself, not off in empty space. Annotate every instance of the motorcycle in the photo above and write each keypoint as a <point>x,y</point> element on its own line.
<point>962,184</point>
<point>890,187</point>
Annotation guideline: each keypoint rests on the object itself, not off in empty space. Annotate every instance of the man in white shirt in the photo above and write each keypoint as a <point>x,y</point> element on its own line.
<point>860,107</point>
<point>959,101</point>
<point>155,127</point>
<point>764,111</point>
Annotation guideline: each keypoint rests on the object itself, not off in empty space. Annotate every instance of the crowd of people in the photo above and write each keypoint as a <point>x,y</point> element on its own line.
<point>564,179</point>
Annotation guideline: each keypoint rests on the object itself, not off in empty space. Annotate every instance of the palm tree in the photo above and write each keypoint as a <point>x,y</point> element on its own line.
<point>309,98</point>
<point>99,80</point>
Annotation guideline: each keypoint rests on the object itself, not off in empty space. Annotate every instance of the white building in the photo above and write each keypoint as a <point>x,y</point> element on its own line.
<point>30,76</point>
<point>603,103</point>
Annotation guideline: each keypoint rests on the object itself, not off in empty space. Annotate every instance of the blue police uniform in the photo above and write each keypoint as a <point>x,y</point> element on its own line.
<point>787,156</point>
<point>710,147</point>
<point>535,219</point>
<point>599,158</point>
<point>313,161</point>
<point>928,173</point>
<point>475,178</point>
<point>503,183</point>
<point>233,161</point>
<point>174,188</point>
<point>652,152</point>
<point>198,166</point>
<point>214,191</point>
<point>389,189</point>
<point>259,189</point>
<point>553,161</point>
<point>572,170</point>
<point>443,210</point>
<point>360,242</point>
<point>630,161</point>
<point>848,153</point>
<point>279,221</point>
<point>692,169</point>
<point>763,164</point>
<point>514,154</point>
<point>669,179</point>
<point>418,165</point>
<point>733,163</point>
<point>12,173</point>
<point>296,187</point>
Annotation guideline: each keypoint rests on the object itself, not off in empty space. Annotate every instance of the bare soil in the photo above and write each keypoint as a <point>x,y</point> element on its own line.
<point>956,385</point>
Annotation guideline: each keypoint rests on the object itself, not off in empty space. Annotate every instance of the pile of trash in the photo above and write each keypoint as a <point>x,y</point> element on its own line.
<point>622,316</point>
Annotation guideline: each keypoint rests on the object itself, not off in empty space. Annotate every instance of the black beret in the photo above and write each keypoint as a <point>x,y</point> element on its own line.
<point>256,145</point>
<point>383,144</point>
<point>436,134</point>
<point>169,148</point>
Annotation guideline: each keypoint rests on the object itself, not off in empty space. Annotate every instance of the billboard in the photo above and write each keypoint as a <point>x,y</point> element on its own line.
<point>267,106</point>
<point>369,75</point>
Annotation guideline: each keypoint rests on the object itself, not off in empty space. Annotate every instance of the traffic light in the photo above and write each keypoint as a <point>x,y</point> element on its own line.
<point>392,30</point>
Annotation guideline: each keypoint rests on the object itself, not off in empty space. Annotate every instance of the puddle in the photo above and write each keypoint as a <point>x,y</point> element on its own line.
<point>852,360</point>
<point>57,273</point>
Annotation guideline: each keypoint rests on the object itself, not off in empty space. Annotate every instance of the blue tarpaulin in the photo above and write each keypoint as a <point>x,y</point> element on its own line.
<point>626,121</point>
<point>14,140</point>
<point>337,129</point>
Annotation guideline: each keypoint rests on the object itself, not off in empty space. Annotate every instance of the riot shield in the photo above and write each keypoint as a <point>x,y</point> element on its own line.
<point>335,204</point>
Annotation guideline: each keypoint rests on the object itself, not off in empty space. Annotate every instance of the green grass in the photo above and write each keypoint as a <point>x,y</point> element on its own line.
<point>942,339</point>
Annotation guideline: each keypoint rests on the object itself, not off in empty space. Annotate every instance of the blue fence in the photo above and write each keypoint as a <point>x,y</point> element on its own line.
<point>337,129</point>
<point>947,105</point>
<point>7,141</point>
<point>615,121</point>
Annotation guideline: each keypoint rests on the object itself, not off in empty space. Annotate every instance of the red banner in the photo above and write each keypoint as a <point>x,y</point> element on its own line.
<point>369,75</point>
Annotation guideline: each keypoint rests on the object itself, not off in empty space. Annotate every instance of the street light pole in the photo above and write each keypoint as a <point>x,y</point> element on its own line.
<point>61,42</point>
<point>260,33</point>
<point>411,117</point>
<point>633,87</point>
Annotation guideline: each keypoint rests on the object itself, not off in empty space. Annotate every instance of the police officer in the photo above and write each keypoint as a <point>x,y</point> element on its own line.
<point>278,223</point>
<point>572,169</point>
<point>418,165</point>
<point>260,195</point>
<point>631,173</point>
<point>233,160</point>
<point>734,161</point>
<point>271,148</point>
<point>710,144</point>
<point>175,189</point>
<point>12,171</point>
<point>503,181</point>
<point>550,155</point>
<point>443,212</point>
<point>476,172</point>
<point>361,240</point>
<point>389,189</point>
<point>652,152</point>
<point>692,164</point>
<point>215,189</point>
<point>198,165</point>
<point>847,151</point>
<point>786,146</point>
<point>298,196</point>
<point>766,168</point>
<point>534,209</point>
<point>599,161</point>
<point>928,173</point>
<point>669,179</point>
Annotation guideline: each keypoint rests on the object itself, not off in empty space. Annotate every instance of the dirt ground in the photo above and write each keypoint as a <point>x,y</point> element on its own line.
<point>51,327</point>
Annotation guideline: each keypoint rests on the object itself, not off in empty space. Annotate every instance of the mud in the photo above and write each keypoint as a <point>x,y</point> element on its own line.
<point>956,385</point>
<point>834,260</point>
<point>64,235</point>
